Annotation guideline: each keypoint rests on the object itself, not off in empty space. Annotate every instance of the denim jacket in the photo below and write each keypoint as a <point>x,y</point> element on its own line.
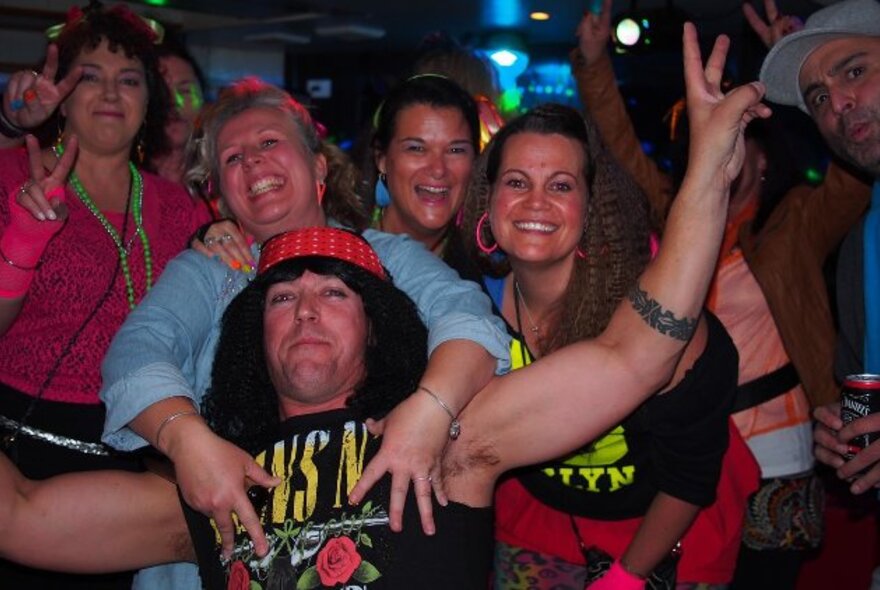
<point>166,346</point>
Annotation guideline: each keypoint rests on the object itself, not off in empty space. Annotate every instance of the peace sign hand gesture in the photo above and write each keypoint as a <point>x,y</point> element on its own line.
<point>717,120</point>
<point>777,25</point>
<point>31,97</point>
<point>37,209</point>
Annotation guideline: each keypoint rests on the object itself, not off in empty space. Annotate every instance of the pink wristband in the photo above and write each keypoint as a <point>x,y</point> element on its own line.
<point>617,578</point>
<point>56,193</point>
<point>13,294</point>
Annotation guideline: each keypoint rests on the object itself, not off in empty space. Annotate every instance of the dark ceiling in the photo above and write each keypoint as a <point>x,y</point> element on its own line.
<point>403,23</point>
<point>340,26</point>
<point>364,46</point>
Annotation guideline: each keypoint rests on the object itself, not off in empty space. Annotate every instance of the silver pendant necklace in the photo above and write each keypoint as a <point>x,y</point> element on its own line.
<point>519,294</point>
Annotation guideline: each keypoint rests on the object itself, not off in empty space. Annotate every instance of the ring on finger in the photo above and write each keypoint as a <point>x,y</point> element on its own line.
<point>16,104</point>
<point>35,74</point>
<point>427,478</point>
<point>23,190</point>
<point>224,238</point>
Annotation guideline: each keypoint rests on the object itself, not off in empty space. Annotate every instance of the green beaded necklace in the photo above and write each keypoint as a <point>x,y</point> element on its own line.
<point>137,199</point>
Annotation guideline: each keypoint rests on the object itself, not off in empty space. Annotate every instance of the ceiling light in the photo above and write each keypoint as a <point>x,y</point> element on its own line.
<point>279,37</point>
<point>504,57</point>
<point>539,15</point>
<point>627,32</point>
<point>658,29</point>
<point>350,31</point>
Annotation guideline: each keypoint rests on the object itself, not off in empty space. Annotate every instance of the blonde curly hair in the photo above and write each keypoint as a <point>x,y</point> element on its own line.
<point>341,201</point>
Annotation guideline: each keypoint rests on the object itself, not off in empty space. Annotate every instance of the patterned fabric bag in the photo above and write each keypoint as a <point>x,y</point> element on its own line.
<point>785,513</point>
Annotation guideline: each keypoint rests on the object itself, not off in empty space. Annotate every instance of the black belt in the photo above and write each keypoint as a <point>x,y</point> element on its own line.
<point>764,388</point>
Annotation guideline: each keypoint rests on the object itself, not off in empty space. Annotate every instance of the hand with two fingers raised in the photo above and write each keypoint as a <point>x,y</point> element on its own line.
<point>36,213</point>
<point>31,97</point>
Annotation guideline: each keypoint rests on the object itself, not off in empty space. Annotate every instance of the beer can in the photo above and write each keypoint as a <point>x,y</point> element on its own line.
<point>860,397</point>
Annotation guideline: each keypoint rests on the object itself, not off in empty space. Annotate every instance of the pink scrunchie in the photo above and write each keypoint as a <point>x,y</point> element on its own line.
<point>617,578</point>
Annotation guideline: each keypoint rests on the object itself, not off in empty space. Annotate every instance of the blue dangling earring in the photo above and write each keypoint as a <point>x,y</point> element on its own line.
<point>383,198</point>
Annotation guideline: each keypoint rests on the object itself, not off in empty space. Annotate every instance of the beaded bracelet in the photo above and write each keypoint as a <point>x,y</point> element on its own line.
<point>455,427</point>
<point>18,266</point>
<point>7,127</point>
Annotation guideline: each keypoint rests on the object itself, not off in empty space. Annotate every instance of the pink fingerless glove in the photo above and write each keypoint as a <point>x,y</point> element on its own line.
<point>22,245</point>
<point>617,578</point>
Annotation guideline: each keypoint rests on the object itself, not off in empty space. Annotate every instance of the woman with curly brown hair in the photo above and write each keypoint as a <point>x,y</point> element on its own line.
<point>573,229</point>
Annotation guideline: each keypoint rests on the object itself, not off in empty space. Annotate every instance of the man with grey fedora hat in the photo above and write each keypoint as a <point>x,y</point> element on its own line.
<point>831,71</point>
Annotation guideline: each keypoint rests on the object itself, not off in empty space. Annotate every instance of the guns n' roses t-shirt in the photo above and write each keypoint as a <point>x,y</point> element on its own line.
<point>317,540</point>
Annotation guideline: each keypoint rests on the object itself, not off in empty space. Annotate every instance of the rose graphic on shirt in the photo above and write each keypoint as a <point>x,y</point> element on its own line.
<point>337,561</point>
<point>239,578</point>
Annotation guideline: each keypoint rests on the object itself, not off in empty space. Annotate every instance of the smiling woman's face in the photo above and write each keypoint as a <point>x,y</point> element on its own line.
<point>428,165</point>
<point>539,198</point>
<point>267,176</point>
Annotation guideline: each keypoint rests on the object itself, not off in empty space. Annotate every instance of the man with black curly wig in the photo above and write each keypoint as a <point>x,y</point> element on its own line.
<point>242,405</point>
<point>324,339</point>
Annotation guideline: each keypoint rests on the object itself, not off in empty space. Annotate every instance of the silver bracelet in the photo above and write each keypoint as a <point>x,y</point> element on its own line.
<point>455,427</point>
<point>18,266</point>
<point>169,419</point>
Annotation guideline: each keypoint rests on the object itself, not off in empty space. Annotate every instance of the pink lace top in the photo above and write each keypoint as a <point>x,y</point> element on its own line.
<point>74,274</point>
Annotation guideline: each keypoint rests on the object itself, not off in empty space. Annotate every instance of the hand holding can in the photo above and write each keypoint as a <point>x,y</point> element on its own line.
<point>860,398</point>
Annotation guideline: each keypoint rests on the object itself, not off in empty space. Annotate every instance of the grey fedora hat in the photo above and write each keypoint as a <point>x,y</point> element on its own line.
<point>783,63</point>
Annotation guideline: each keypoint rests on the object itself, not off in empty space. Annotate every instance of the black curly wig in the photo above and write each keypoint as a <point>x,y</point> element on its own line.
<point>242,406</point>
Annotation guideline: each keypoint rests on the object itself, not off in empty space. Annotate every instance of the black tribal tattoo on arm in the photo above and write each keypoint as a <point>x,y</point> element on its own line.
<point>662,320</point>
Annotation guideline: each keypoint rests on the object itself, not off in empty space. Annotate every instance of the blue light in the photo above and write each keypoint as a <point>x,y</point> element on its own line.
<point>509,61</point>
<point>504,57</point>
<point>502,13</point>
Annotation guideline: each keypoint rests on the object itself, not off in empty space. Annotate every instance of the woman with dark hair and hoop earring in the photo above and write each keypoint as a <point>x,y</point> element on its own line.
<point>573,231</point>
<point>426,135</point>
<point>84,234</point>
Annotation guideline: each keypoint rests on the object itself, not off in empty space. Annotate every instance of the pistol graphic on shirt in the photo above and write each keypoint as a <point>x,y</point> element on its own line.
<point>313,536</point>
